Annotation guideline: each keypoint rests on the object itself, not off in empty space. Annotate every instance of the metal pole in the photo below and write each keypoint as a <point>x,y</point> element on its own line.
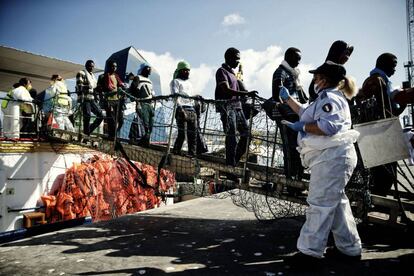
<point>171,124</point>
<point>37,120</point>
<point>205,120</point>
<point>80,116</point>
<point>116,119</point>
<point>53,99</point>
<point>248,142</point>
<point>274,147</point>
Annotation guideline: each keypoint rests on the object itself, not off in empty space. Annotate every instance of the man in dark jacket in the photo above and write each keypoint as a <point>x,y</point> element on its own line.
<point>288,76</point>
<point>142,89</point>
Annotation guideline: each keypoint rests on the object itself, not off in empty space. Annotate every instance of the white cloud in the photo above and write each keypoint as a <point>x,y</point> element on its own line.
<point>201,77</point>
<point>258,68</point>
<point>233,19</point>
<point>166,64</point>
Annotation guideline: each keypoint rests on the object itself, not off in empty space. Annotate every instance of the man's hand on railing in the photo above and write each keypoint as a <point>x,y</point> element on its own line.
<point>125,86</point>
<point>253,93</point>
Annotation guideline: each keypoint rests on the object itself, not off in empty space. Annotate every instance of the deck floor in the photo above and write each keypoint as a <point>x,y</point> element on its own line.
<point>204,236</point>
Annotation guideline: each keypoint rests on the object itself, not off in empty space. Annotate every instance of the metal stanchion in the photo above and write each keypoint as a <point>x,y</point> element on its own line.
<point>52,114</point>
<point>205,120</point>
<point>248,143</point>
<point>36,121</point>
<point>80,114</point>
<point>171,124</point>
<point>274,147</point>
<point>116,120</point>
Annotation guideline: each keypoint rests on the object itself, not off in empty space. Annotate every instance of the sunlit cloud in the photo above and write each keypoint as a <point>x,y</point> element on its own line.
<point>202,77</point>
<point>233,19</point>
<point>258,68</point>
<point>165,64</point>
<point>234,27</point>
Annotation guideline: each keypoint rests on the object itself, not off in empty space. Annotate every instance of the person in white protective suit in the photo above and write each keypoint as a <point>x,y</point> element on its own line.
<point>17,108</point>
<point>325,144</point>
<point>61,102</point>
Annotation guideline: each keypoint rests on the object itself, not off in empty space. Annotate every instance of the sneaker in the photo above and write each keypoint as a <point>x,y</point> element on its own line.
<point>303,262</point>
<point>333,253</point>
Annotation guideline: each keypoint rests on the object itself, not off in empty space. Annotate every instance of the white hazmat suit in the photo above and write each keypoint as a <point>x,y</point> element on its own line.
<point>331,159</point>
<point>20,100</point>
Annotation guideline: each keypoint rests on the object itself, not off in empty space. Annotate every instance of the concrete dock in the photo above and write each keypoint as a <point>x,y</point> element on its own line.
<point>204,236</point>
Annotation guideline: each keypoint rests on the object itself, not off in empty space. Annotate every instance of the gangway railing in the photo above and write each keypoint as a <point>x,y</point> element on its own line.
<point>262,172</point>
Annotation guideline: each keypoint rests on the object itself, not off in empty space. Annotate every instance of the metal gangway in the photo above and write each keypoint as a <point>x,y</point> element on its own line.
<point>257,183</point>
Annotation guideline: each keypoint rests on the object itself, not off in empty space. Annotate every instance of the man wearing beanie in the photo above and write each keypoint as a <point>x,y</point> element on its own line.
<point>142,89</point>
<point>185,115</point>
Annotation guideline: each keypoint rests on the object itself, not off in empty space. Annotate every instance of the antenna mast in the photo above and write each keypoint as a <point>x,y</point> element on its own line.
<point>410,37</point>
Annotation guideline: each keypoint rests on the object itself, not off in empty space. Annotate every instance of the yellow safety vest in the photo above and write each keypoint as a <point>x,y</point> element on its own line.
<point>5,101</point>
<point>62,98</point>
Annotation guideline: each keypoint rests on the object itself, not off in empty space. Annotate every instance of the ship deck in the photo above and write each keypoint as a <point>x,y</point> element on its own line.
<point>204,236</point>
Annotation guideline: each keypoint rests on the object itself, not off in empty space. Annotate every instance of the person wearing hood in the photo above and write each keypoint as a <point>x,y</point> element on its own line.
<point>339,52</point>
<point>142,89</point>
<point>326,146</point>
<point>185,115</point>
<point>287,75</point>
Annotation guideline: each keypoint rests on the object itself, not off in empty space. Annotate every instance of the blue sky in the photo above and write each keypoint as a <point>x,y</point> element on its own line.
<point>199,31</point>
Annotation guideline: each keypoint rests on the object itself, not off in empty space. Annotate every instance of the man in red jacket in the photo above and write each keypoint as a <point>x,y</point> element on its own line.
<point>110,86</point>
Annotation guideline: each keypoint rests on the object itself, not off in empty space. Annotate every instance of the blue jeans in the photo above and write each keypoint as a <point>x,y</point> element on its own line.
<point>233,120</point>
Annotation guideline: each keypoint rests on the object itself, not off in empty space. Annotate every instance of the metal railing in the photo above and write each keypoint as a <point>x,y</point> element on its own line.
<point>261,169</point>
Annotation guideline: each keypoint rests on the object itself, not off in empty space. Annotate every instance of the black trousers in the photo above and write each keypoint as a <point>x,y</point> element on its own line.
<point>186,123</point>
<point>89,107</point>
<point>114,115</point>
<point>292,164</point>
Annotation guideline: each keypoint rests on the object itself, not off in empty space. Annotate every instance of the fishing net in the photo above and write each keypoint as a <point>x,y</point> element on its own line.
<point>103,187</point>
